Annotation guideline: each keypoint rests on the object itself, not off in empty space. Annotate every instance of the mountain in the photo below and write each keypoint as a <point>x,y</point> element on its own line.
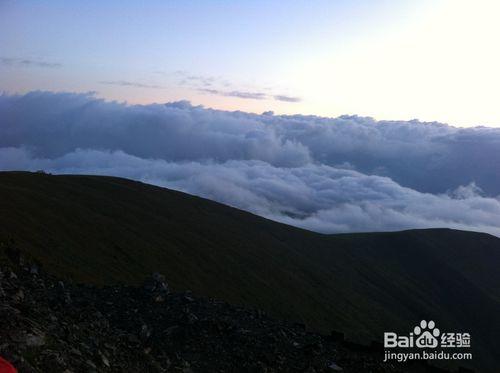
<point>106,230</point>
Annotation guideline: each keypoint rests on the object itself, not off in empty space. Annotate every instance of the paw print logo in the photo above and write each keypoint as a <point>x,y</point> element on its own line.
<point>426,334</point>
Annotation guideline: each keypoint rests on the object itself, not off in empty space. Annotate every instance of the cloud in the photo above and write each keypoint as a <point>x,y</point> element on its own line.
<point>124,83</point>
<point>20,62</point>
<point>197,80</point>
<point>287,98</point>
<point>239,94</point>
<point>326,174</point>
<point>249,95</point>
<point>211,84</point>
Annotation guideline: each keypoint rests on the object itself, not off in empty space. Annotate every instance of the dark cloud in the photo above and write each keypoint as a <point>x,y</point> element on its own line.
<point>20,62</point>
<point>125,83</point>
<point>287,98</point>
<point>326,174</point>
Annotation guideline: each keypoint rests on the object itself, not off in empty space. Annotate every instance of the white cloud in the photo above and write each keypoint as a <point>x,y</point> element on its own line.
<point>329,175</point>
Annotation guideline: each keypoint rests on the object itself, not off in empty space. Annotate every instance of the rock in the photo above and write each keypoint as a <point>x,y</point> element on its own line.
<point>156,284</point>
<point>104,359</point>
<point>34,340</point>
<point>76,352</point>
<point>159,298</point>
<point>90,364</point>
<point>145,332</point>
<point>18,296</point>
<point>149,329</point>
<point>188,296</point>
<point>191,318</point>
<point>334,367</point>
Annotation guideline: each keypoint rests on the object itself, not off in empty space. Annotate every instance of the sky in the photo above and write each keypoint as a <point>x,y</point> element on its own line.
<point>430,60</point>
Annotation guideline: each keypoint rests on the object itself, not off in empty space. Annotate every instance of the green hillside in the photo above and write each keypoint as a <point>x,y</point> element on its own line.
<point>108,230</point>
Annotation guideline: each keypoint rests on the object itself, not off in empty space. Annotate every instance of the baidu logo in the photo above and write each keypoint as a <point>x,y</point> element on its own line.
<point>426,334</point>
<point>426,342</point>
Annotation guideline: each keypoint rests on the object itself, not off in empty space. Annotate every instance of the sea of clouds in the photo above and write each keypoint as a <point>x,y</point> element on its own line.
<point>345,174</point>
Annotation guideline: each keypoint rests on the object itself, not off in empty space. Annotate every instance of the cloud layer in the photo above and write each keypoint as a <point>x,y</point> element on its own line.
<point>330,175</point>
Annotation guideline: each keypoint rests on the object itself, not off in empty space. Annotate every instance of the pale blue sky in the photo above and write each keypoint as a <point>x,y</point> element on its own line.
<point>432,60</point>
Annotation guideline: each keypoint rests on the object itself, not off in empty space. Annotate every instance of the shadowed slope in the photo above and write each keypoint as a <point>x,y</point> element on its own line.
<point>106,230</point>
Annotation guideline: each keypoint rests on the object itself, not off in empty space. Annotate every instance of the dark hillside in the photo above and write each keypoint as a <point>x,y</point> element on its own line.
<point>106,230</point>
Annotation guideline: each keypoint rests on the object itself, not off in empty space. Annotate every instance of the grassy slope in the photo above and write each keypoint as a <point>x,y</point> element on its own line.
<point>104,229</point>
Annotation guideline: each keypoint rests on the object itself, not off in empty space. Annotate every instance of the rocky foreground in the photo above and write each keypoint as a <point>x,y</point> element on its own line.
<point>47,325</point>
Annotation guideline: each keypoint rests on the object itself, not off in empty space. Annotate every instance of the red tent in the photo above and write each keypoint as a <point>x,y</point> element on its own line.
<point>6,367</point>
